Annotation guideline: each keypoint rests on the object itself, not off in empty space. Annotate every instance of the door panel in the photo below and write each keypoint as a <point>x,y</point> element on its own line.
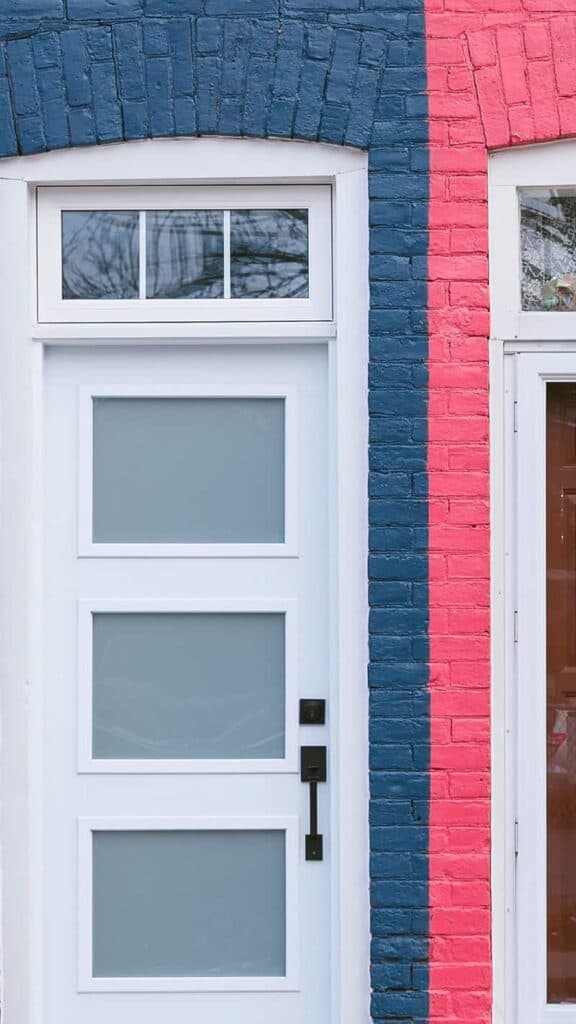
<point>179,636</point>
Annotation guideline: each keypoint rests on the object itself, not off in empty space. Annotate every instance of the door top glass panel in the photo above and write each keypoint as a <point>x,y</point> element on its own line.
<point>188,470</point>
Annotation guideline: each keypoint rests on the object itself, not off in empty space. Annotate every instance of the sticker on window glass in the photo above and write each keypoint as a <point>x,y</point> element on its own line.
<point>100,254</point>
<point>548,249</point>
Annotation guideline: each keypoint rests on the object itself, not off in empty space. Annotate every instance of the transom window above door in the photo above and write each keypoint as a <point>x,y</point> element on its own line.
<point>184,254</point>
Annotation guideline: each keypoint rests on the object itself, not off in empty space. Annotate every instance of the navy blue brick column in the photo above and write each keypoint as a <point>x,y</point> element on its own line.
<point>83,72</point>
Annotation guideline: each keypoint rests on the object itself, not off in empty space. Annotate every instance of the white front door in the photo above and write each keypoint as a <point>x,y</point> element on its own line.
<point>186,617</point>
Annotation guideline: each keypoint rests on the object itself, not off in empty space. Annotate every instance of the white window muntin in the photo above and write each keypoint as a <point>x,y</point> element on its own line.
<point>533,169</point>
<point>52,201</point>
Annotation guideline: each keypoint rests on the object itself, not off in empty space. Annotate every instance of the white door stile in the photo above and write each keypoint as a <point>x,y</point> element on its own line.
<point>22,361</point>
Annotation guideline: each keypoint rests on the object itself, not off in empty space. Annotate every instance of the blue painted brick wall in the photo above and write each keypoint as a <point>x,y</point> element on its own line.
<point>79,72</point>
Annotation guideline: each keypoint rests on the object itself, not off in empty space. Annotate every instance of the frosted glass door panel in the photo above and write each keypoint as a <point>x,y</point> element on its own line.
<point>188,685</point>
<point>188,470</point>
<point>189,904</point>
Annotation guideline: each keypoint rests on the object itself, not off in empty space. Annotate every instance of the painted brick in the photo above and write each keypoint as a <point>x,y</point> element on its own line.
<point>340,71</point>
<point>93,10</point>
<point>37,9</point>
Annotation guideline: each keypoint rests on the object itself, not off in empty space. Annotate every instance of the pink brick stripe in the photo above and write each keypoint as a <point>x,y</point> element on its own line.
<point>500,72</point>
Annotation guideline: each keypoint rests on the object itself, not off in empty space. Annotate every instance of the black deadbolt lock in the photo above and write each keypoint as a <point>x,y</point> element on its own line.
<point>312,711</point>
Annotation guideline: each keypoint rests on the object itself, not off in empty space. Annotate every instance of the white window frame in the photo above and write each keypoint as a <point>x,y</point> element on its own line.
<point>549,166</point>
<point>23,341</point>
<point>515,335</point>
<point>52,308</point>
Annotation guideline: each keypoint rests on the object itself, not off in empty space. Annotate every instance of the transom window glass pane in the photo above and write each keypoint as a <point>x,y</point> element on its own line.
<point>269,253</point>
<point>100,254</point>
<point>548,249</point>
<point>188,685</point>
<point>184,254</point>
<point>188,470</point>
<point>189,904</point>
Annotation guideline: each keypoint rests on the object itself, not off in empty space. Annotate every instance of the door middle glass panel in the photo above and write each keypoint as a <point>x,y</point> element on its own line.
<point>188,685</point>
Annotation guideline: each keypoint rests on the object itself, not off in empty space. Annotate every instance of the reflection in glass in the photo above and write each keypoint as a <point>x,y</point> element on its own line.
<point>269,253</point>
<point>188,685</point>
<point>548,249</point>
<point>561,691</point>
<point>188,470</point>
<point>184,254</point>
<point>100,254</point>
<point>185,904</point>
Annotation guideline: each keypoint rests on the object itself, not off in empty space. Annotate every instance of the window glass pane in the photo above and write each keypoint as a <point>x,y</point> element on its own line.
<point>190,685</point>
<point>548,247</point>
<point>100,254</point>
<point>189,470</point>
<point>184,254</point>
<point>189,904</point>
<point>561,691</point>
<point>269,253</point>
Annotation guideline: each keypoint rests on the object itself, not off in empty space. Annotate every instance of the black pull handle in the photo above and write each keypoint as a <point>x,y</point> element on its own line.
<point>313,771</point>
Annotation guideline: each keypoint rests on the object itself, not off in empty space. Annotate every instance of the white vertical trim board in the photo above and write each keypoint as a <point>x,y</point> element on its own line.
<point>154,162</point>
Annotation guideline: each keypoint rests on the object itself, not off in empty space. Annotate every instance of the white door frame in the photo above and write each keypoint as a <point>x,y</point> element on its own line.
<point>518,655</point>
<point>22,342</point>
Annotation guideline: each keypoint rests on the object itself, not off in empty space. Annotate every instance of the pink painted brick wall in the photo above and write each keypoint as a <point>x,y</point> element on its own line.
<point>501,72</point>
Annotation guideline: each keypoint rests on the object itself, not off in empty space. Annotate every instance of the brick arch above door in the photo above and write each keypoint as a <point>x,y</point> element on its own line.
<point>83,82</point>
<point>524,80</point>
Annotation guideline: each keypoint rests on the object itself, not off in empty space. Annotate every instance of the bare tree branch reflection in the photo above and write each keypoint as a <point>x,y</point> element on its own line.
<point>269,253</point>
<point>548,245</point>
<point>100,254</point>
<point>184,254</point>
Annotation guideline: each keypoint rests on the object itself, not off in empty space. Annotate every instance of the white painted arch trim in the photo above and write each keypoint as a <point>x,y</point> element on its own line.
<point>199,161</point>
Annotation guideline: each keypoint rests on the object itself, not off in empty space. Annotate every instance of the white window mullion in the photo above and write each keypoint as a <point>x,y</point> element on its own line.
<point>142,252</point>
<point>226,254</point>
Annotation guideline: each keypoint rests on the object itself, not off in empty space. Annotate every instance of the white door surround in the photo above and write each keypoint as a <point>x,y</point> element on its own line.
<point>520,339</point>
<point>23,345</point>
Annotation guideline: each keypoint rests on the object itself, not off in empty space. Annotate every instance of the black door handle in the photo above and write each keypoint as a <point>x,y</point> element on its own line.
<point>313,770</point>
